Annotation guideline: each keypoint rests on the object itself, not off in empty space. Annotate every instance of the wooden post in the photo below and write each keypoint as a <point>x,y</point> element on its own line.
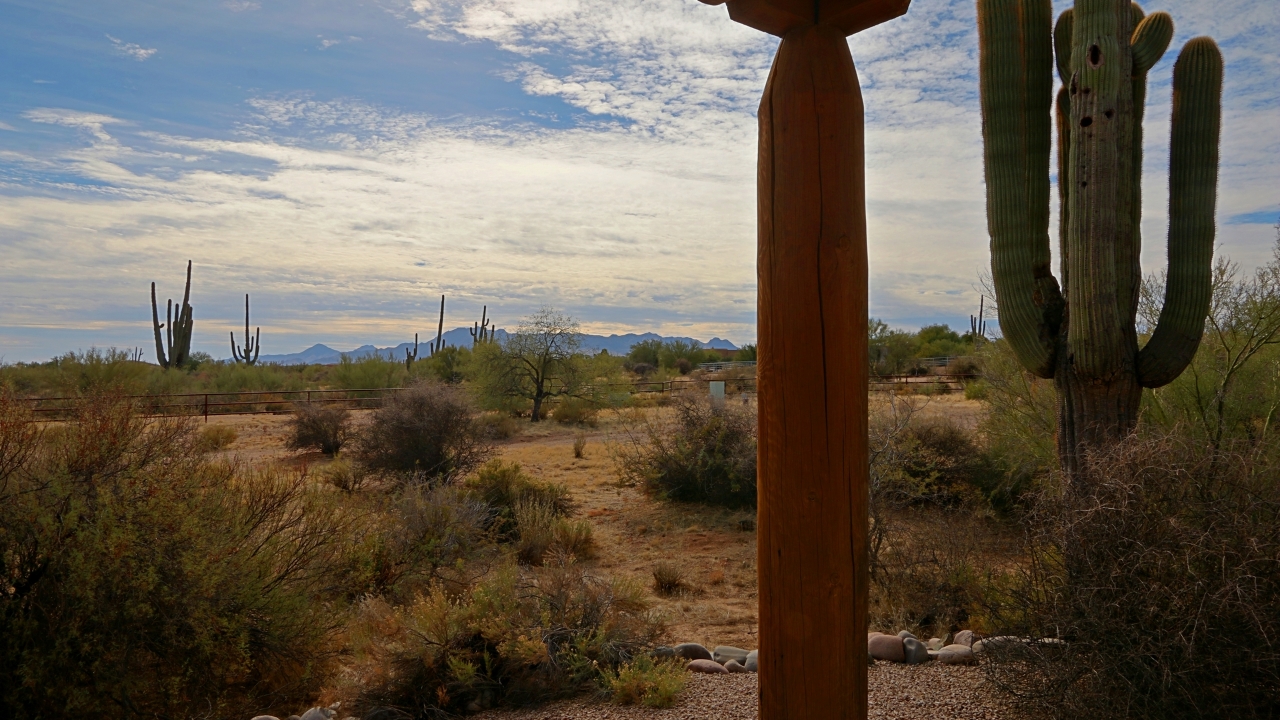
<point>812,370</point>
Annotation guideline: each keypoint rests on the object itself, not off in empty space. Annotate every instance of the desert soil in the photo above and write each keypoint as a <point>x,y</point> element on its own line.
<point>714,548</point>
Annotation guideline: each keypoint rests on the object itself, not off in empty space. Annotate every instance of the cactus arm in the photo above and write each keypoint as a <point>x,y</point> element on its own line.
<point>161,359</point>
<point>235,351</point>
<point>1193,187</point>
<point>1062,31</point>
<point>257,346</point>
<point>1100,98</point>
<point>1150,41</point>
<point>169,319</point>
<point>1030,304</point>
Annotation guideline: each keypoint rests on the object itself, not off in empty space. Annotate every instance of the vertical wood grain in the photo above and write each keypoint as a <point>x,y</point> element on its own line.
<point>812,369</point>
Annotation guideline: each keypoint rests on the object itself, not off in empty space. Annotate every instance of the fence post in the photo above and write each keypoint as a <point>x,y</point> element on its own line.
<point>206,408</point>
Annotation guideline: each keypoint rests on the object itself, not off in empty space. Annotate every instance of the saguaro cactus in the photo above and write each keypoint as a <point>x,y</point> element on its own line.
<point>812,273</point>
<point>1083,335</point>
<point>409,357</point>
<point>438,345</point>
<point>481,332</point>
<point>249,353</point>
<point>178,323</point>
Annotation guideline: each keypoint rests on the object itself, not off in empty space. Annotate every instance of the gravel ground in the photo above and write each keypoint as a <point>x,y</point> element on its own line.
<point>896,692</point>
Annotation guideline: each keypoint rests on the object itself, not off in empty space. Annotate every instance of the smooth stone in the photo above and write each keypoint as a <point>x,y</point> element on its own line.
<point>965,638</point>
<point>734,666</point>
<point>935,644</point>
<point>706,665</point>
<point>914,651</point>
<point>663,651</point>
<point>692,651</point>
<point>904,634</point>
<point>266,717</point>
<point>979,647</point>
<point>724,653</point>
<point>753,661</point>
<point>955,654</point>
<point>886,647</point>
<point>319,713</point>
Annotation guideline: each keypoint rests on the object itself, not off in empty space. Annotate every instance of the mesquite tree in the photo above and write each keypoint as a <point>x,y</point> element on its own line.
<point>1083,334</point>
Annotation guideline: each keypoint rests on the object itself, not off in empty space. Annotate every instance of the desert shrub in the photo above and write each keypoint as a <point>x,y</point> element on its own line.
<point>975,390</point>
<point>708,454</point>
<point>424,434</point>
<point>580,446</point>
<point>319,427</point>
<point>1018,428</point>
<point>963,365</point>
<point>502,486</point>
<point>141,579</point>
<point>367,372</point>
<point>343,474</point>
<point>498,425</point>
<point>213,438</point>
<point>535,534</point>
<point>668,579</point>
<point>574,538</point>
<point>576,411</point>
<point>932,541</point>
<point>1160,569</point>
<point>644,681</point>
<point>514,638</point>
<point>643,369</point>
<point>414,537</point>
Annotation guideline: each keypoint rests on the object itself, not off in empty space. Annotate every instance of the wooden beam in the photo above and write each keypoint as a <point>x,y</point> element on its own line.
<point>812,272</point>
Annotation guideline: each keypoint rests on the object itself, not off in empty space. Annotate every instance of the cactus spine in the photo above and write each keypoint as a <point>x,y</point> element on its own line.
<point>178,324</point>
<point>481,332</point>
<point>249,353</point>
<point>1083,335</point>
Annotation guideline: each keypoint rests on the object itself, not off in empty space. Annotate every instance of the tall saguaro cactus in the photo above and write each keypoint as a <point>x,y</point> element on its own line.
<point>812,273</point>
<point>178,322</point>
<point>1083,334</point>
<point>249,353</point>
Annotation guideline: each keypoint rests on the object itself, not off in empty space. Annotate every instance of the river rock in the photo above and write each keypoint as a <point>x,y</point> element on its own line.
<point>753,661</point>
<point>706,665</point>
<point>954,654</point>
<point>914,652</point>
<point>663,652</point>
<point>266,717</point>
<point>886,647</point>
<point>692,651</point>
<point>734,666</point>
<point>965,638</point>
<point>319,713</point>
<point>904,634</point>
<point>934,644</point>
<point>724,653</point>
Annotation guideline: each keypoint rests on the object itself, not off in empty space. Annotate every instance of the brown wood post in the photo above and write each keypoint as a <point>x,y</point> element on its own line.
<point>812,366</point>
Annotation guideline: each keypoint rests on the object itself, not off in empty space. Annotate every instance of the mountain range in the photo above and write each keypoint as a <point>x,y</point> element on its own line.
<point>616,345</point>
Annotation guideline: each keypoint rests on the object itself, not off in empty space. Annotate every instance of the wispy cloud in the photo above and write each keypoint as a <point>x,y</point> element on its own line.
<point>242,5</point>
<point>133,50</point>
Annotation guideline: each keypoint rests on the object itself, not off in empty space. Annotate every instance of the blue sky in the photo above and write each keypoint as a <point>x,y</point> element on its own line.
<point>346,162</point>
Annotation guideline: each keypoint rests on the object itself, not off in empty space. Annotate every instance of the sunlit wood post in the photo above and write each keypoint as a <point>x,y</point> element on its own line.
<point>812,270</point>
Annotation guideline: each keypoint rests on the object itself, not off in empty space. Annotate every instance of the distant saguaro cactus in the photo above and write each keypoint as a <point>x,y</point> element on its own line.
<point>438,345</point>
<point>1084,335</point>
<point>178,323</point>
<point>481,332</point>
<point>249,353</point>
<point>410,357</point>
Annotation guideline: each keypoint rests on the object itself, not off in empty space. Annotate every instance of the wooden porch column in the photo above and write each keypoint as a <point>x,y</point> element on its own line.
<point>812,370</point>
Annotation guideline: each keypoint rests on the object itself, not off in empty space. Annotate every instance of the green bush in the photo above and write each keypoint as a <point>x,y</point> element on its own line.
<point>708,454</point>
<point>367,372</point>
<point>576,411</point>
<point>213,438</point>
<point>516,637</point>
<point>140,579</point>
<point>646,682</point>
<point>423,434</point>
<point>503,486</point>
<point>319,427</point>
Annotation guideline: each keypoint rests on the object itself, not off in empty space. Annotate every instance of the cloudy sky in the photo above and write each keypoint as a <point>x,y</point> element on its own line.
<point>347,161</point>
